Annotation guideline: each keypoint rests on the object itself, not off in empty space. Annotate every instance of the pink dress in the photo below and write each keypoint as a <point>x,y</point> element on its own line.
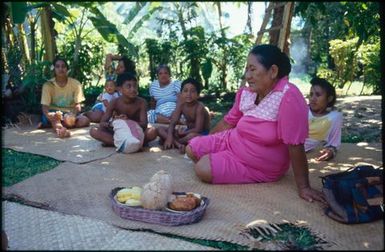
<point>255,150</point>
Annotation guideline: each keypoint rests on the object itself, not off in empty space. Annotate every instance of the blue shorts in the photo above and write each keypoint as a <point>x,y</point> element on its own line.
<point>98,107</point>
<point>203,133</point>
<point>44,120</point>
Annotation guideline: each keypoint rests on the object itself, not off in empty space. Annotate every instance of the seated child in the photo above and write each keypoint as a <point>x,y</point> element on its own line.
<point>325,123</point>
<point>196,116</point>
<point>105,98</point>
<point>127,106</point>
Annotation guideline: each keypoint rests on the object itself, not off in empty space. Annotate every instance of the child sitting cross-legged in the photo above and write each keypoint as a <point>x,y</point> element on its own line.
<point>196,116</point>
<point>128,107</point>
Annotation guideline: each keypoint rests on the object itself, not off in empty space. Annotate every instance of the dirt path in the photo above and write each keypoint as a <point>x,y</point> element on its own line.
<point>362,118</point>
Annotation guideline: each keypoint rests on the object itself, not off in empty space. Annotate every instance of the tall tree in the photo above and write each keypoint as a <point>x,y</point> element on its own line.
<point>48,33</point>
<point>249,27</point>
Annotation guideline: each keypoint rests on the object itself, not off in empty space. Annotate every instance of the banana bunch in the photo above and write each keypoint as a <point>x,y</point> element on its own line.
<point>130,196</point>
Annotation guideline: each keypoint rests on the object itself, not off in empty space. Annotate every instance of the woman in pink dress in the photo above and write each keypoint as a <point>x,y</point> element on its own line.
<point>263,133</point>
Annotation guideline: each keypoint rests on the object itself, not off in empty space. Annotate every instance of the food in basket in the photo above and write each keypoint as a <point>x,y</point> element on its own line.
<point>133,202</point>
<point>155,193</point>
<point>185,202</point>
<point>125,194</point>
<point>182,204</point>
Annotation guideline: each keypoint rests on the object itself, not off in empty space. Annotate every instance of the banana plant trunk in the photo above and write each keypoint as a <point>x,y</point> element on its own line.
<point>75,68</point>
<point>32,25</point>
<point>48,34</point>
<point>223,67</point>
<point>23,44</point>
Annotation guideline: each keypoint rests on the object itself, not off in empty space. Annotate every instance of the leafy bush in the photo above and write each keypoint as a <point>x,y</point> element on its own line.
<point>343,53</point>
<point>35,76</point>
<point>90,61</point>
<point>369,57</point>
<point>352,63</point>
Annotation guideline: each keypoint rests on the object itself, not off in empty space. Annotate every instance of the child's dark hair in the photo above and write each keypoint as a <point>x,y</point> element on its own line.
<point>325,85</point>
<point>269,55</point>
<point>125,77</point>
<point>129,65</point>
<point>195,83</point>
<point>59,58</point>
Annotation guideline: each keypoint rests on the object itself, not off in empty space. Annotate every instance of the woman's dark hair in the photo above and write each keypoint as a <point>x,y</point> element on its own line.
<point>327,87</point>
<point>129,65</point>
<point>127,76</point>
<point>163,66</point>
<point>269,55</point>
<point>59,58</point>
<point>194,82</point>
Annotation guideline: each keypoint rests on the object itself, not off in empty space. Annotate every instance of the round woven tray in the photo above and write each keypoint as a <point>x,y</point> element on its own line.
<point>162,217</point>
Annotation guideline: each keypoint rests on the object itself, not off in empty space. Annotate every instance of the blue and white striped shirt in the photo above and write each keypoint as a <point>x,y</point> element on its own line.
<point>165,98</point>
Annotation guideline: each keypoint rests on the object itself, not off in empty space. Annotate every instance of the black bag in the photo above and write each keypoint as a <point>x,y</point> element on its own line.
<point>355,195</point>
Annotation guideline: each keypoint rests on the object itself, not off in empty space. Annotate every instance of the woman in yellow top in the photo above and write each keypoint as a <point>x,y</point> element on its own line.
<point>60,100</point>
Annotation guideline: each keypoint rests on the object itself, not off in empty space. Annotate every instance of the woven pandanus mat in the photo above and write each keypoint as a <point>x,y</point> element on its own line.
<point>83,190</point>
<point>30,228</point>
<point>79,148</point>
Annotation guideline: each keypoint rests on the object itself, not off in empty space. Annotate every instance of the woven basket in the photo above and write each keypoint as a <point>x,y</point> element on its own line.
<point>157,216</point>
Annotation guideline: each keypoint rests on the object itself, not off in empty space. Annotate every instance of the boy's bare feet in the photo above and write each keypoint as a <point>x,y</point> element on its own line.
<point>63,132</point>
<point>181,147</point>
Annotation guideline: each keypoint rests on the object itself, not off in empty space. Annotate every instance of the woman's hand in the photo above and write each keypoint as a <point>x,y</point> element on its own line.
<point>326,154</point>
<point>310,194</point>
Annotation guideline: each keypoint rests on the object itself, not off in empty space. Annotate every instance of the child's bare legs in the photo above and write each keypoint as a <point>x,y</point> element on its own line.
<point>183,141</point>
<point>162,133</point>
<point>94,116</point>
<point>82,121</point>
<point>150,134</point>
<point>162,119</point>
<point>103,134</point>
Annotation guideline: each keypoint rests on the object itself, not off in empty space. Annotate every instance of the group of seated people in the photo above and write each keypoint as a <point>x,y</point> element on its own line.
<point>269,127</point>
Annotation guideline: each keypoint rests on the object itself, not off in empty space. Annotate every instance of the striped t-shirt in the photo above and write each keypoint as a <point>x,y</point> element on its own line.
<point>165,98</point>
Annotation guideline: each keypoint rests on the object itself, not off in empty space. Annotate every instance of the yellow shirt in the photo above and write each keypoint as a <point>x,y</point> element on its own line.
<point>62,98</point>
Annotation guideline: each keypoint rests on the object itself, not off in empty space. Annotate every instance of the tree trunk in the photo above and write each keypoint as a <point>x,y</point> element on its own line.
<point>249,27</point>
<point>32,24</point>
<point>48,34</point>
<point>182,22</point>
<point>75,63</point>
<point>10,37</point>
<point>277,21</point>
<point>286,48</point>
<point>23,45</point>
<point>223,67</point>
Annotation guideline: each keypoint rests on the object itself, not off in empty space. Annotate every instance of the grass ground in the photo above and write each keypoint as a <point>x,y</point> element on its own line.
<point>18,166</point>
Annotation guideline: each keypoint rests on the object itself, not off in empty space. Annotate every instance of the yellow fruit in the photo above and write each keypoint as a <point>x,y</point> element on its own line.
<point>123,195</point>
<point>133,202</point>
<point>129,193</point>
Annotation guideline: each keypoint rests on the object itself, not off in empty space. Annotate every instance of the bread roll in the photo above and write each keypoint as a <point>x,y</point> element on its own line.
<point>183,204</point>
